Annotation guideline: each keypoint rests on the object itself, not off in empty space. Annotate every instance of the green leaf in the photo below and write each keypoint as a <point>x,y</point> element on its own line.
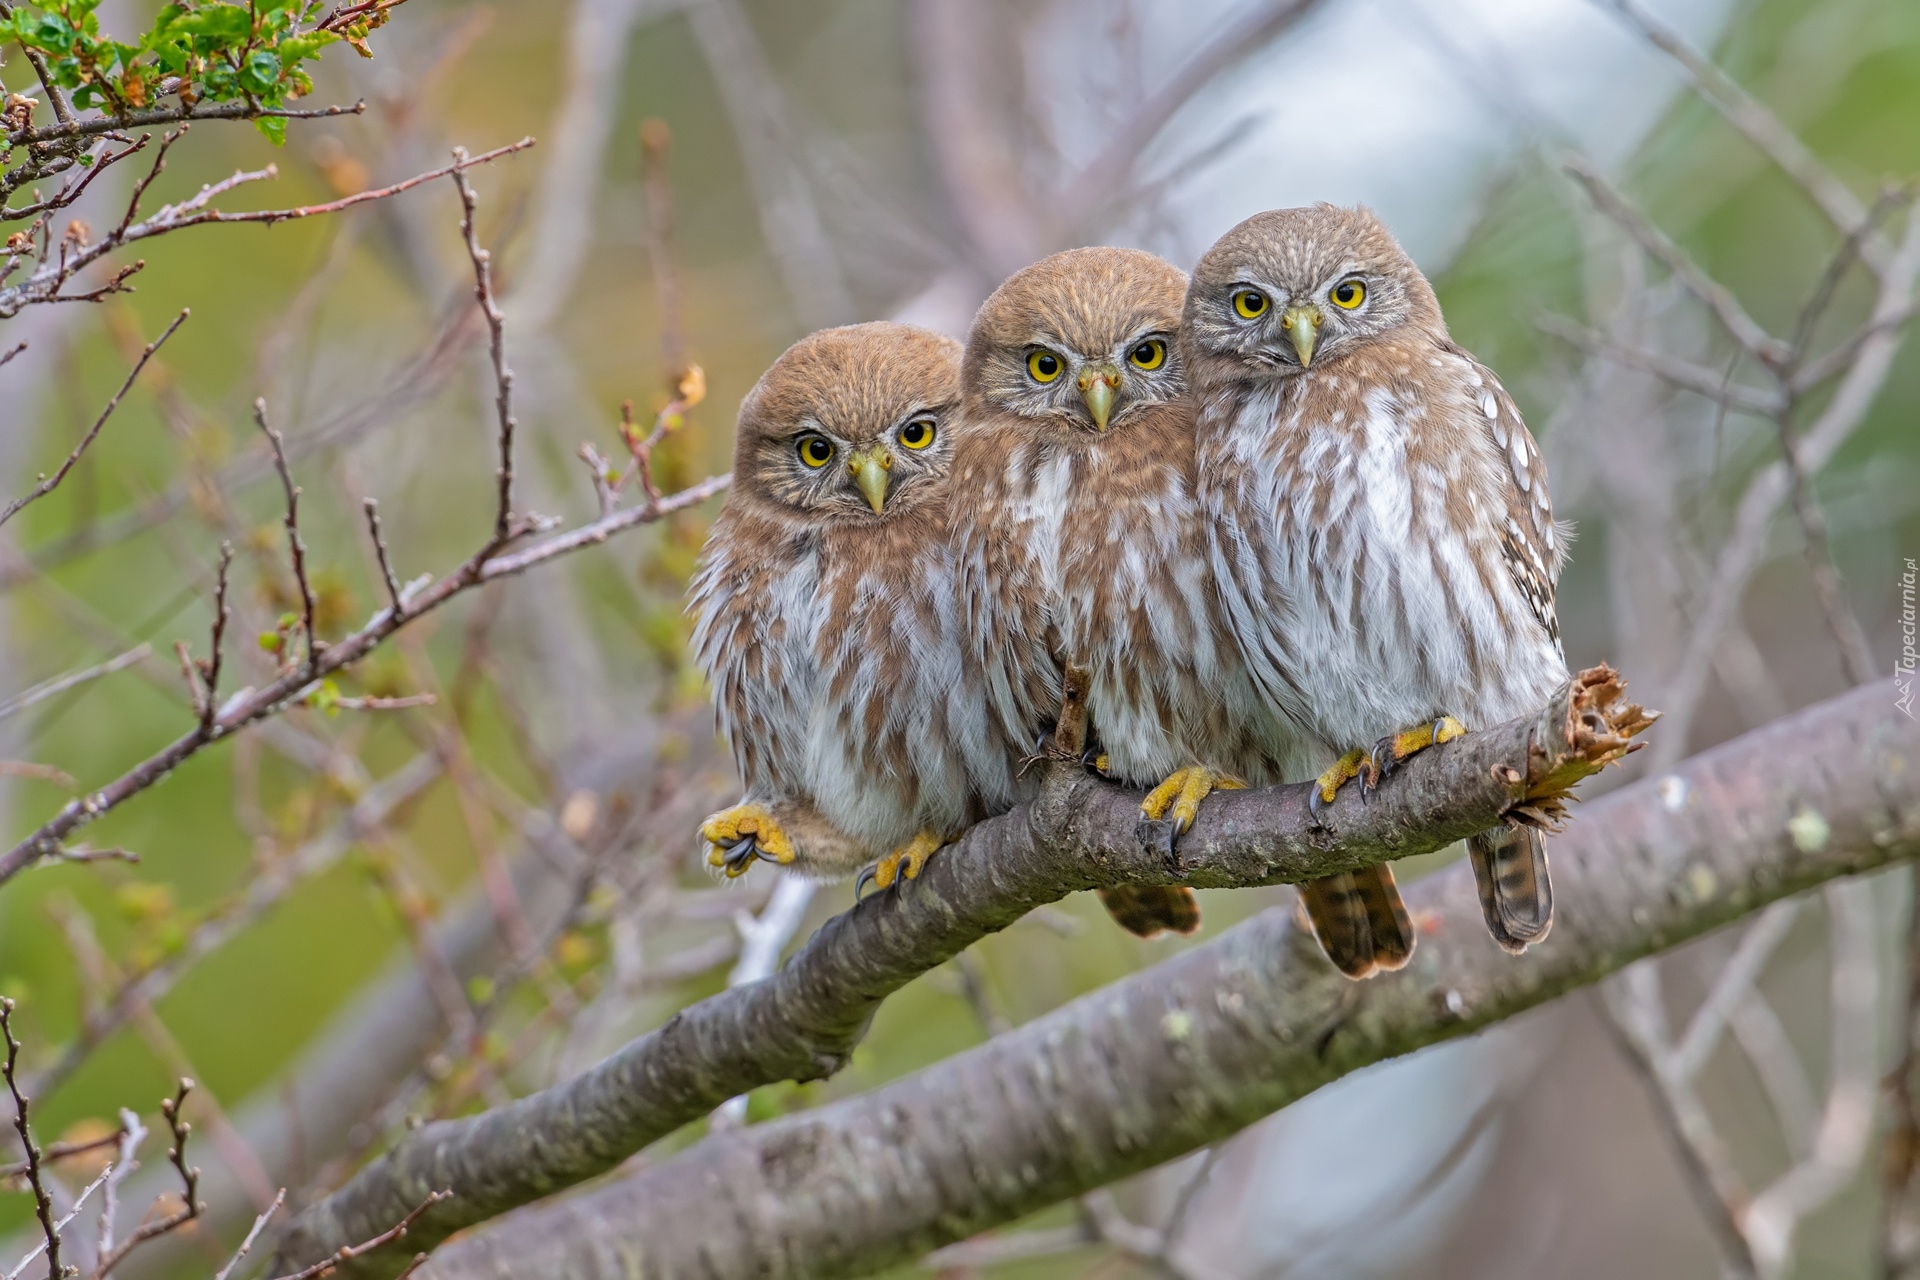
<point>224,23</point>
<point>261,71</point>
<point>273,128</point>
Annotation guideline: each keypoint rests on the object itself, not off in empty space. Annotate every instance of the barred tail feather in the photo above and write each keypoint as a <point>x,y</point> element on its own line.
<point>1359,921</point>
<point>1386,917</point>
<point>1146,910</point>
<point>1516,895</point>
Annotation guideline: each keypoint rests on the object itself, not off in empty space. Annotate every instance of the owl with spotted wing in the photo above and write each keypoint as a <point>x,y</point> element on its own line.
<point>1381,531</point>
<point>825,598</point>
<point>1080,542</point>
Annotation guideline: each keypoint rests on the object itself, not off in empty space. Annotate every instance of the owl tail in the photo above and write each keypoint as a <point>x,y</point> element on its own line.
<point>1359,920</point>
<point>1510,869</point>
<point>1149,909</point>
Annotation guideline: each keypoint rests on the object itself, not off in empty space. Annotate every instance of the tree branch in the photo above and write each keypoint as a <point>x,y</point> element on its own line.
<point>803,1022</point>
<point>1200,1046</point>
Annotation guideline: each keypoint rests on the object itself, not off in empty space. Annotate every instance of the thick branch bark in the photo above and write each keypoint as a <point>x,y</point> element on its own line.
<point>803,1022</point>
<point>1198,1047</point>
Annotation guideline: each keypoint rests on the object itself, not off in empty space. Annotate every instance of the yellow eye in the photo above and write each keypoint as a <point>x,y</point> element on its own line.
<point>1249,304</point>
<point>1150,354</point>
<point>917,434</point>
<point>816,451</point>
<point>1043,366</point>
<point>1349,294</point>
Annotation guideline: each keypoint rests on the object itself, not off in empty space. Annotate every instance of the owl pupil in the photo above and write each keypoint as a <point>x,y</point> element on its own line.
<point>1046,364</point>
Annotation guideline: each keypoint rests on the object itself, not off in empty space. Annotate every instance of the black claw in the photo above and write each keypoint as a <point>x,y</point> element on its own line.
<point>741,852</point>
<point>1090,761</point>
<point>764,856</point>
<point>867,877</point>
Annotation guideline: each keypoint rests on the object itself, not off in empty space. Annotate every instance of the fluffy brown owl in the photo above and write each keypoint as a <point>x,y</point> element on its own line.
<point>1381,530</point>
<point>1080,542</point>
<point>826,612</point>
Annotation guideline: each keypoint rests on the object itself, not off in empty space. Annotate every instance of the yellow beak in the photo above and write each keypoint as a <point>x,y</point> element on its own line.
<point>869,468</point>
<point>1303,326</point>
<point>1096,388</point>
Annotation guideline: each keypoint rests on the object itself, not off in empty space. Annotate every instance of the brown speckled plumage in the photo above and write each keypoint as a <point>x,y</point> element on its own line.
<point>1085,546</point>
<point>828,629</point>
<point>1381,525</point>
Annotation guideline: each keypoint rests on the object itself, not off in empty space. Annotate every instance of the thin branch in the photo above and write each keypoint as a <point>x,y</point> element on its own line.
<point>1762,128</point>
<point>173,115</point>
<point>380,554</point>
<point>171,1109</point>
<point>1753,517</point>
<point>49,483</point>
<point>45,284</point>
<point>496,347</point>
<point>296,546</point>
<point>216,643</point>
<point>1845,1132</point>
<point>253,1233</point>
<point>249,706</point>
<point>73,679</point>
<point>1763,346</point>
<point>42,1202</point>
<point>1735,981</point>
<point>1681,373</point>
<point>348,1253</point>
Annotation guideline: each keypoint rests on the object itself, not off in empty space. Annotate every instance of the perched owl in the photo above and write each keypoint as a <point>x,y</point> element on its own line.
<point>1380,528</point>
<point>1079,541</point>
<point>825,598</point>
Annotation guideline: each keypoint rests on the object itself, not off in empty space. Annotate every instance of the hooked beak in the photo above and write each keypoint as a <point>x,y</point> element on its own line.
<point>1096,388</point>
<point>869,468</point>
<point>1303,326</point>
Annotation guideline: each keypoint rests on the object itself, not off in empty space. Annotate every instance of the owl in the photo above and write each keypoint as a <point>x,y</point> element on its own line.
<point>1381,530</point>
<point>825,597</point>
<point>1079,541</point>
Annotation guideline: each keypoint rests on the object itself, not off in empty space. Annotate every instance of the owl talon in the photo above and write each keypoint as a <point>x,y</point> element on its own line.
<point>741,834</point>
<point>903,864</point>
<point>867,877</point>
<point>1177,801</point>
<point>1342,771</point>
<point>1395,749</point>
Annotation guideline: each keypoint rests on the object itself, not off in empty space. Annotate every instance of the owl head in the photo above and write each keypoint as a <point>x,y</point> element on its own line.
<point>850,423</point>
<point>1077,341</point>
<point>1296,289</point>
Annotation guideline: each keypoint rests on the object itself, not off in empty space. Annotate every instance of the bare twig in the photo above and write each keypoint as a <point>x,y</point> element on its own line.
<point>44,285</point>
<point>1761,127</point>
<point>380,554</point>
<point>190,1208</point>
<point>296,545</point>
<point>348,1253</point>
<point>216,643</point>
<point>42,1202</point>
<point>60,684</point>
<point>49,483</point>
<point>253,1233</point>
<point>173,115</point>
<point>496,346</point>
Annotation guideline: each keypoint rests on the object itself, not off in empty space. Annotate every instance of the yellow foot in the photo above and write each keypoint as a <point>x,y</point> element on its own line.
<point>1386,756</point>
<point>1390,751</point>
<point>1171,807</point>
<point>741,834</point>
<point>1338,775</point>
<point>901,865</point>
